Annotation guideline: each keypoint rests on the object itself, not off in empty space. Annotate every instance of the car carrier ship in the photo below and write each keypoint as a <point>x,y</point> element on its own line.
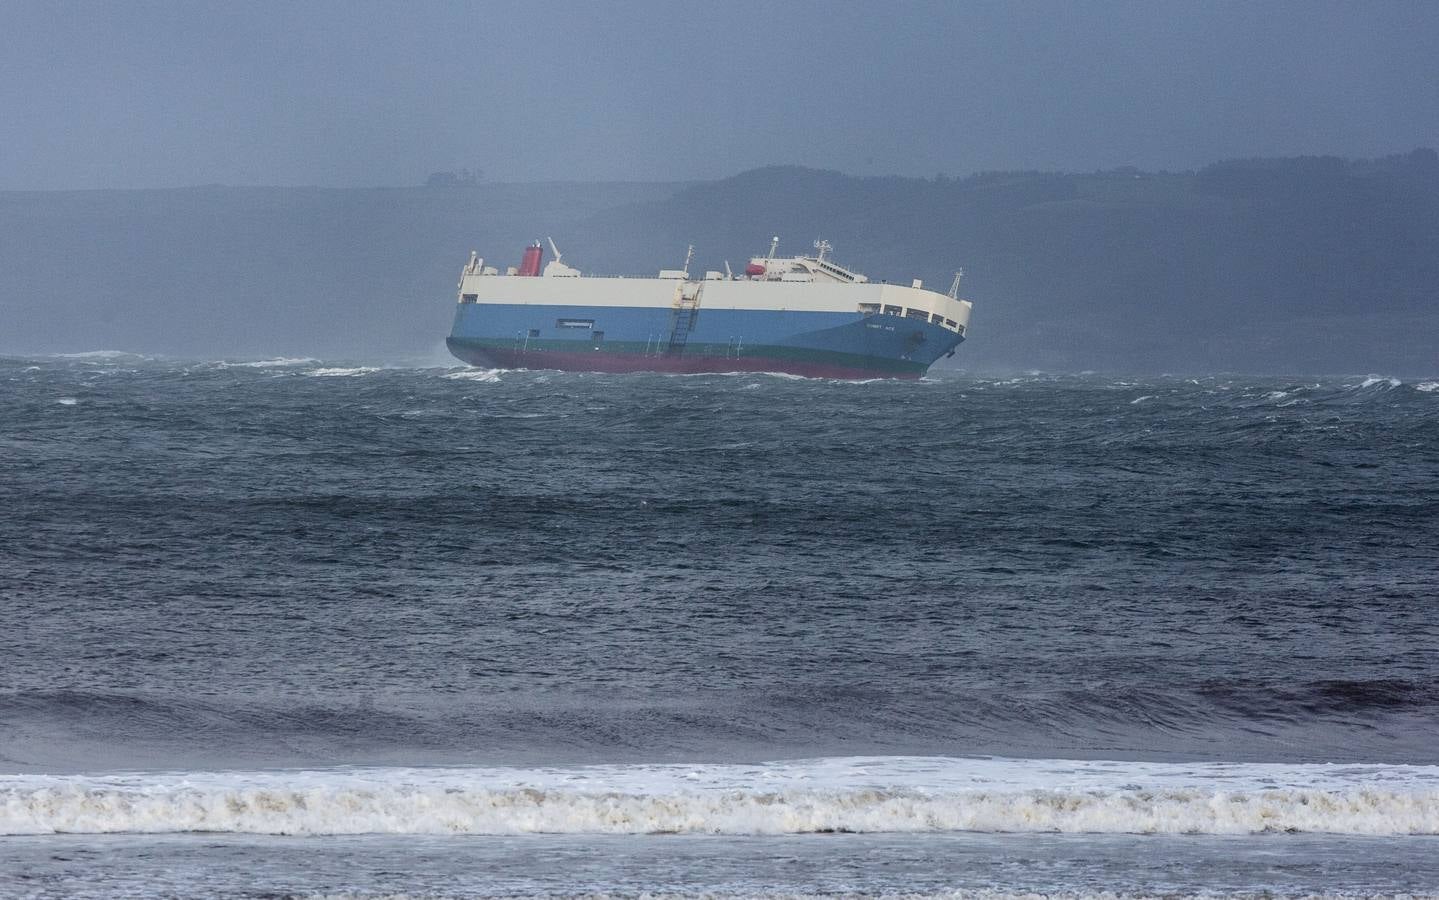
<point>802,315</point>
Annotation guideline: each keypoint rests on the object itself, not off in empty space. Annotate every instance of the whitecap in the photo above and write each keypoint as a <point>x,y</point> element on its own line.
<point>883,794</point>
<point>1375,380</point>
<point>280,362</point>
<point>67,401</point>
<point>1141,399</point>
<point>1427,387</point>
<point>101,354</point>
<point>485,375</point>
<point>342,372</point>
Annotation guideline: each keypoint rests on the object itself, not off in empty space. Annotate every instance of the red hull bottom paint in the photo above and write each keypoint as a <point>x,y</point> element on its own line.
<point>617,363</point>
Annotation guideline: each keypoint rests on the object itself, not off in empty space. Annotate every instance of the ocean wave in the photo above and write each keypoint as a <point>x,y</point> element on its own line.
<point>1388,719</point>
<point>101,354</point>
<point>1379,381</point>
<point>1322,699</point>
<point>281,362</point>
<point>855,795</point>
<point>485,375</point>
<point>1427,387</point>
<point>341,372</point>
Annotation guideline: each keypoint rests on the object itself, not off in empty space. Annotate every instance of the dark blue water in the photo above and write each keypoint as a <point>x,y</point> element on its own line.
<point>298,566</point>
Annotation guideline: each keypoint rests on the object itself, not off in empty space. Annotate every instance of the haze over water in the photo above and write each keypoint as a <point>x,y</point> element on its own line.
<point>461,632</point>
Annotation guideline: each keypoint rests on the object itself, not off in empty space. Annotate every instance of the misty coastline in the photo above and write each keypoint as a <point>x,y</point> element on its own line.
<point>1307,265</point>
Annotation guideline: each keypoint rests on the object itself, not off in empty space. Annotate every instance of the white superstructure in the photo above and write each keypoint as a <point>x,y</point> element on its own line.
<point>801,283</point>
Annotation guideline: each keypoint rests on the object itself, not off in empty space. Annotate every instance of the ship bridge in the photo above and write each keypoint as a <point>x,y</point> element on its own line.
<point>801,268</point>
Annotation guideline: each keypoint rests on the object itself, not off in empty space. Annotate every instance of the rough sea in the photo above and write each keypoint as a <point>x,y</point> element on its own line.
<point>275,628</point>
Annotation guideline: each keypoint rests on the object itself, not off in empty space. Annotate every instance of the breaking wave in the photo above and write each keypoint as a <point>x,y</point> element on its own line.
<point>342,372</point>
<point>283,362</point>
<point>101,354</point>
<point>886,794</point>
<point>486,375</point>
<point>1379,381</point>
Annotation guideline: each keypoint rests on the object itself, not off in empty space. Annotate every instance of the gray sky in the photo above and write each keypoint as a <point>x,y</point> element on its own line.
<point>145,94</point>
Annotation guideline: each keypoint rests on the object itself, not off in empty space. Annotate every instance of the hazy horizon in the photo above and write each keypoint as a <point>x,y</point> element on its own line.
<point>487,182</point>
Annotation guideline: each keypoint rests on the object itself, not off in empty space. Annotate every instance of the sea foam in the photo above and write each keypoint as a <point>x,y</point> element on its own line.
<point>900,794</point>
<point>487,375</point>
<point>101,354</point>
<point>1378,380</point>
<point>282,362</point>
<point>341,372</point>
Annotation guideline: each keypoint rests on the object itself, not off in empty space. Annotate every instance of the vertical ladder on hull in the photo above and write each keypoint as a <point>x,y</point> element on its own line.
<point>683,313</point>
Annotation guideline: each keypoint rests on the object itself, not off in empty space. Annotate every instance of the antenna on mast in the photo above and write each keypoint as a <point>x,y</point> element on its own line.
<point>954,288</point>
<point>729,276</point>
<point>823,247</point>
<point>689,255</point>
<point>558,254</point>
<point>773,246</point>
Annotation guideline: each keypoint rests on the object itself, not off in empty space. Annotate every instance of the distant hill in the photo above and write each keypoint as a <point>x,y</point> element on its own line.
<point>1295,265</point>
<point>1307,265</point>
<point>231,272</point>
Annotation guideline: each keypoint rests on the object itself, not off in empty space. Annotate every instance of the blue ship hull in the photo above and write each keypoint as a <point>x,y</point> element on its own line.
<point>646,339</point>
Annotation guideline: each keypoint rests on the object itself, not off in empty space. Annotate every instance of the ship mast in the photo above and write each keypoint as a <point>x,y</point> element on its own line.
<point>954,288</point>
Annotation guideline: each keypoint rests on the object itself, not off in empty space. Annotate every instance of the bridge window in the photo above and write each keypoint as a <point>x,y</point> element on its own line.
<point>469,298</point>
<point>869,309</point>
<point>949,323</point>
<point>597,336</point>
<point>918,314</point>
<point>936,318</point>
<point>893,310</point>
<point>534,332</point>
